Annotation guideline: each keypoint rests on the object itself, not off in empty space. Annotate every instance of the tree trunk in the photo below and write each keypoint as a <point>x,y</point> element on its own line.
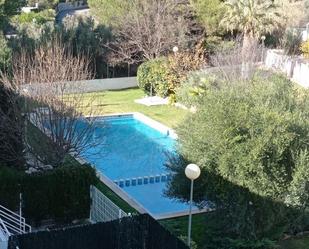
<point>247,47</point>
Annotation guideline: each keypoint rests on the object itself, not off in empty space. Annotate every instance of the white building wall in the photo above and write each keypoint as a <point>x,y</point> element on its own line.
<point>97,85</point>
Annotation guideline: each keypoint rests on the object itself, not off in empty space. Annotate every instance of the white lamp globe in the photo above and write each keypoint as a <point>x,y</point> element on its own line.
<point>175,49</point>
<point>192,171</point>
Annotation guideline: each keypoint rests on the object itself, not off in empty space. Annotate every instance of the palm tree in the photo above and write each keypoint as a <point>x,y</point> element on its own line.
<point>253,18</point>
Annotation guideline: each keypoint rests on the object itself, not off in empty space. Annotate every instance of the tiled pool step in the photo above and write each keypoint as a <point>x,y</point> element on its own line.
<point>130,182</point>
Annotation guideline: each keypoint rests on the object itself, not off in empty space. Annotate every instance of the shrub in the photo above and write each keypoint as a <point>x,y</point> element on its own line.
<point>251,142</point>
<point>5,54</point>
<point>37,17</point>
<point>291,42</point>
<point>152,77</point>
<point>190,92</point>
<point>11,129</point>
<point>215,43</point>
<point>305,49</point>
<point>61,194</point>
<point>182,64</point>
<point>164,76</point>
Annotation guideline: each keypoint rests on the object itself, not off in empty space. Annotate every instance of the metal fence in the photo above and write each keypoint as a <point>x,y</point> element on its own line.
<point>102,209</point>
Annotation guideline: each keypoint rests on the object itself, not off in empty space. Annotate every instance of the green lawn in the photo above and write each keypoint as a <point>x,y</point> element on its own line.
<point>179,226</point>
<point>200,223</point>
<point>108,102</point>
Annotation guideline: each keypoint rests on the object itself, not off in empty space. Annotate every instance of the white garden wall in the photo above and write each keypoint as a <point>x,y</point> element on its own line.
<point>89,85</point>
<point>296,68</point>
<point>103,84</point>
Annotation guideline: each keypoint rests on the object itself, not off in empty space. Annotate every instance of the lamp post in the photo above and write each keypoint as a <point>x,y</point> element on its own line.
<point>25,92</point>
<point>192,171</point>
<point>263,44</point>
<point>175,49</point>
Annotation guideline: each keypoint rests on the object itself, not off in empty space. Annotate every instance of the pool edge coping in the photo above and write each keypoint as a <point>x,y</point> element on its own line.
<point>143,118</point>
<point>178,214</point>
<point>121,193</point>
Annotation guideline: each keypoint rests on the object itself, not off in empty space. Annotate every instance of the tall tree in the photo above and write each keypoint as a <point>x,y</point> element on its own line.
<point>209,13</point>
<point>43,80</point>
<point>110,12</point>
<point>144,29</point>
<point>11,129</point>
<point>252,18</point>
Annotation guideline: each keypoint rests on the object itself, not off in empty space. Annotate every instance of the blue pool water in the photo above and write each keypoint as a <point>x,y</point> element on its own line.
<point>133,151</point>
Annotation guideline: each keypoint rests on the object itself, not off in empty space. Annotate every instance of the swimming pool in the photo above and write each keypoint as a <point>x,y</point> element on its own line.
<point>135,154</point>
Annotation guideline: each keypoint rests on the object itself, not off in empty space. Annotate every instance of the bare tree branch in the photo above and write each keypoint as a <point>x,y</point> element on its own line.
<point>45,79</point>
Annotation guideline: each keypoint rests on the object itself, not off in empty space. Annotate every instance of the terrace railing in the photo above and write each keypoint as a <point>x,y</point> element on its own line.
<point>12,223</point>
<point>102,208</point>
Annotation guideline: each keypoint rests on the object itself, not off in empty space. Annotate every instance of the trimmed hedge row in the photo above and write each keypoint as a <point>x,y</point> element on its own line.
<point>61,194</point>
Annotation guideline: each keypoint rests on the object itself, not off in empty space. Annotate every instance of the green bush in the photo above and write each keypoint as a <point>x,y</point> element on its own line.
<point>251,141</point>
<point>152,77</point>
<point>61,194</point>
<point>291,42</point>
<point>5,54</point>
<point>40,18</point>
<point>215,43</point>
<point>192,90</point>
<point>10,187</point>
<point>305,49</point>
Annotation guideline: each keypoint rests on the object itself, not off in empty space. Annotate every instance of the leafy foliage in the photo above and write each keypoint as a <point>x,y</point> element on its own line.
<point>109,11</point>
<point>253,17</point>
<point>12,130</point>
<point>9,8</point>
<point>305,49</point>
<point>251,142</point>
<point>260,139</point>
<point>209,13</point>
<point>44,4</point>
<point>165,75</point>
<point>152,76</point>
<point>182,63</point>
<point>216,43</point>
<point>40,18</point>
<point>190,92</point>
<point>291,42</point>
<point>5,54</point>
<point>61,194</point>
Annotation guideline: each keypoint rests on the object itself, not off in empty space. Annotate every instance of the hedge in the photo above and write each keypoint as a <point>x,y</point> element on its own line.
<point>61,194</point>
